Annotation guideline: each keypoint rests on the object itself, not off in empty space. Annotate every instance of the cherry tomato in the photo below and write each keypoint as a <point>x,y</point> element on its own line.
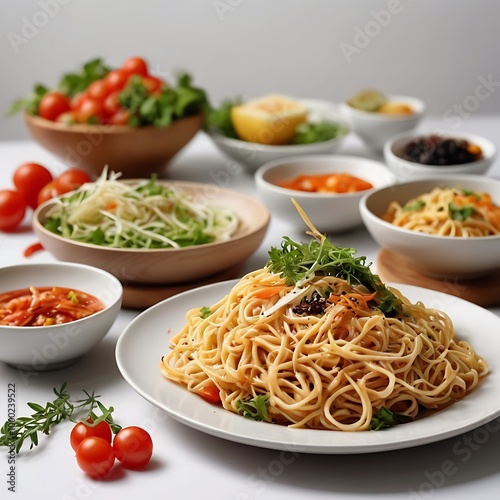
<point>98,90</point>
<point>210,393</point>
<point>112,103</point>
<point>29,179</point>
<point>133,447</point>
<point>84,430</point>
<point>152,83</point>
<point>89,108</point>
<point>121,117</point>
<point>47,192</point>
<point>116,79</point>
<point>135,66</point>
<point>95,456</point>
<point>12,209</point>
<point>76,100</point>
<point>67,118</point>
<point>71,180</point>
<point>52,105</point>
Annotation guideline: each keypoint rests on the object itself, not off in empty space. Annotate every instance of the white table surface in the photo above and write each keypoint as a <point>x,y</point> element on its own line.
<point>188,464</point>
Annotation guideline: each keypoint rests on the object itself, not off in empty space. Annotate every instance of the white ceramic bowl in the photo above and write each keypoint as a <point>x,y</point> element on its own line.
<point>329,212</point>
<point>253,155</point>
<point>436,256</point>
<point>404,169</point>
<point>49,347</point>
<point>374,129</point>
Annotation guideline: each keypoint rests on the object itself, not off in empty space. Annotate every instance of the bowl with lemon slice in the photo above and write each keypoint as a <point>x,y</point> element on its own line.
<point>275,126</point>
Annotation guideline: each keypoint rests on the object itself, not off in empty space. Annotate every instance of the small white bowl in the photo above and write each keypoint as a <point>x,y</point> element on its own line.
<point>376,128</point>
<point>49,347</point>
<point>253,155</point>
<point>432,255</point>
<point>404,169</point>
<point>329,212</point>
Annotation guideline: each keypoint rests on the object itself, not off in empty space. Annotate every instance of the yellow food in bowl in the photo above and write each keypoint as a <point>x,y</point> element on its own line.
<point>395,108</point>
<point>268,120</point>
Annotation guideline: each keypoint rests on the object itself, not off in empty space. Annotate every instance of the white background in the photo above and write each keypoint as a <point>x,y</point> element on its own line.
<point>438,51</point>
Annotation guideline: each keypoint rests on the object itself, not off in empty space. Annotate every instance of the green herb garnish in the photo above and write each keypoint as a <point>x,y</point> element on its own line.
<point>205,312</point>
<point>308,133</point>
<point>255,408</point>
<point>385,418</point>
<point>413,207</point>
<point>30,102</point>
<point>459,213</point>
<point>73,83</point>
<point>219,119</point>
<point>295,261</point>
<point>15,433</point>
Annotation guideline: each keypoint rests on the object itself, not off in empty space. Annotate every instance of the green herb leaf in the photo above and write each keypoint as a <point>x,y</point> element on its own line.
<point>308,133</point>
<point>413,207</point>
<point>460,213</point>
<point>218,120</point>
<point>385,418</point>
<point>255,408</point>
<point>29,103</point>
<point>73,83</point>
<point>205,312</point>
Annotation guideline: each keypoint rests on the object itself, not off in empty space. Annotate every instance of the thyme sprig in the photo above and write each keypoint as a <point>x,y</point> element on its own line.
<point>16,432</point>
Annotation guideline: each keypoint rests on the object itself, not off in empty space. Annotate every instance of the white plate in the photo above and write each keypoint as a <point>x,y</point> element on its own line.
<point>146,339</point>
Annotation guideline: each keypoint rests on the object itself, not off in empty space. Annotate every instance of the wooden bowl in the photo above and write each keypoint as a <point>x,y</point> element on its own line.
<point>136,152</point>
<point>169,266</point>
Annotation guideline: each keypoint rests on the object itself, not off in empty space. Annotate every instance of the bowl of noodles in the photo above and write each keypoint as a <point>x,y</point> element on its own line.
<point>148,232</point>
<point>446,227</point>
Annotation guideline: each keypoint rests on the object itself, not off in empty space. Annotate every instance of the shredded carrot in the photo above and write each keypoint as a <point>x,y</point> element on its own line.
<point>270,291</point>
<point>362,300</point>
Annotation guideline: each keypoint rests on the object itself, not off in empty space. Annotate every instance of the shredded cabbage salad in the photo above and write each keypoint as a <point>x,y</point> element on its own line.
<point>146,214</point>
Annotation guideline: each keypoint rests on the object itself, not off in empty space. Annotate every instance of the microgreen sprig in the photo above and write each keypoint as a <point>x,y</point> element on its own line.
<point>17,432</point>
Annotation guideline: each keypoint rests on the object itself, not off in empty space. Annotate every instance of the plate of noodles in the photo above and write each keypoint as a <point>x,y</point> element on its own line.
<point>143,347</point>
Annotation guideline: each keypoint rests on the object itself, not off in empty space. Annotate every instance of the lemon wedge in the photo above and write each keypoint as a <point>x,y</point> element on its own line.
<point>271,119</point>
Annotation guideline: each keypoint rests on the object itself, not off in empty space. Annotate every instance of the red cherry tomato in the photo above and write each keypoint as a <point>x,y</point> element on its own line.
<point>71,180</point>
<point>98,90</point>
<point>112,104</point>
<point>29,179</point>
<point>95,456</point>
<point>12,209</point>
<point>67,118</point>
<point>121,117</point>
<point>152,83</point>
<point>47,192</point>
<point>52,105</point>
<point>76,100</point>
<point>133,447</point>
<point>210,393</point>
<point>135,66</point>
<point>90,109</point>
<point>83,430</point>
<point>116,79</point>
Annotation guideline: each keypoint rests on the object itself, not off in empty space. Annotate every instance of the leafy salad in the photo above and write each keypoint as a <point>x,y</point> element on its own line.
<point>142,215</point>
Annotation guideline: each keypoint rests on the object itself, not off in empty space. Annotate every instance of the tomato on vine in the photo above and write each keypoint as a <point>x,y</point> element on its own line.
<point>83,430</point>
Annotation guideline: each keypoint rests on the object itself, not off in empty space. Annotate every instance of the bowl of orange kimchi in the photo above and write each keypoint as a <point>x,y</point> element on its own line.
<point>52,314</point>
